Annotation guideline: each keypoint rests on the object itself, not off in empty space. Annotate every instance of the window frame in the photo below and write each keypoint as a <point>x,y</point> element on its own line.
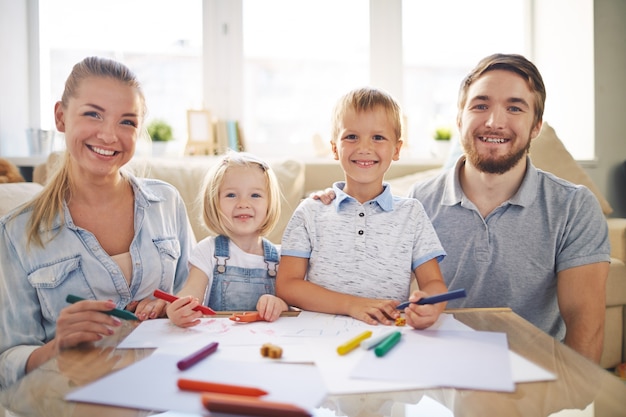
<point>557,57</point>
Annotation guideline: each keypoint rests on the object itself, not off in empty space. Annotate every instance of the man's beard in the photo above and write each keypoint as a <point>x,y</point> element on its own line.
<point>495,165</point>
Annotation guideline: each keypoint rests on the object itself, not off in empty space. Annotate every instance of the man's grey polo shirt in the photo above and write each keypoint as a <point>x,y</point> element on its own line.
<point>511,257</point>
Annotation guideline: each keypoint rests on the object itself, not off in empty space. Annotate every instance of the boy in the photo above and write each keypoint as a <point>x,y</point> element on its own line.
<point>355,256</point>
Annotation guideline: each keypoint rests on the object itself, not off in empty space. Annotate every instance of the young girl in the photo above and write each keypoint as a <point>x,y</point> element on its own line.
<point>235,270</point>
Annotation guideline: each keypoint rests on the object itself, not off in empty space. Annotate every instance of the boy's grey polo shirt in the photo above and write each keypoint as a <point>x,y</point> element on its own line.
<point>368,249</point>
<point>511,257</point>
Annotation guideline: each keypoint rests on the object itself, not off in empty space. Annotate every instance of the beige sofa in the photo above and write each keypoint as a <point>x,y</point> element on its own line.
<point>187,175</point>
<point>298,178</point>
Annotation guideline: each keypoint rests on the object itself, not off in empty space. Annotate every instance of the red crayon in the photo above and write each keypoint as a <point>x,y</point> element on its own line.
<point>171,298</point>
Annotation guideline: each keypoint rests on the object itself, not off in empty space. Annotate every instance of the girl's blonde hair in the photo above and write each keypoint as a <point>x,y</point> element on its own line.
<point>213,217</point>
<point>48,204</point>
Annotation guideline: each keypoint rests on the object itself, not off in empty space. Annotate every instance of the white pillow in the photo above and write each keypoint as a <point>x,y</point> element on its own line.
<point>14,194</point>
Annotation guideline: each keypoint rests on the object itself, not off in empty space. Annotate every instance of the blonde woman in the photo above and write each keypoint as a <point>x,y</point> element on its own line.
<point>94,231</point>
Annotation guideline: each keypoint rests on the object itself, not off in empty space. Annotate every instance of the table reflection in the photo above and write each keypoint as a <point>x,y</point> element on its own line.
<point>580,384</point>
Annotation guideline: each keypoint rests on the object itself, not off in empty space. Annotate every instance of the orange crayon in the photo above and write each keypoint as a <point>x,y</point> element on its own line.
<point>202,386</point>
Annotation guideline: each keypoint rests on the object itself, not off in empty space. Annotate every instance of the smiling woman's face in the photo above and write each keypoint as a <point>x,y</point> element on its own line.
<point>101,125</point>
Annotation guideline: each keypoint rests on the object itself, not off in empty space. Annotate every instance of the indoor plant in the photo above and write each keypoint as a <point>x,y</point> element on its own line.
<point>160,131</point>
<point>442,133</point>
<point>441,146</point>
<point>161,137</point>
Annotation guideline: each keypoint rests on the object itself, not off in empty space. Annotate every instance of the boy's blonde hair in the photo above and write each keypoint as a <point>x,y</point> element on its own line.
<point>365,99</point>
<point>213,217</point>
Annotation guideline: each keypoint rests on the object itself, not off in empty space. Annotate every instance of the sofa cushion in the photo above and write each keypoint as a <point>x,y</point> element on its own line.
<point>617,236</point>
<point>614,315</point>
<point>187,175</point>
<point>549,154</point>
<point>290,174</point>
<point>402,185</point>
<point>14,194</point>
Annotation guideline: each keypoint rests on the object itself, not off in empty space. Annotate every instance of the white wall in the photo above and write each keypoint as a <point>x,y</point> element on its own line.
<point>14,77</point>
<point>222,45</point>
<point>610,93</point>
<point>563,33</point>
<point>386,41</point>
<point>582,56</point>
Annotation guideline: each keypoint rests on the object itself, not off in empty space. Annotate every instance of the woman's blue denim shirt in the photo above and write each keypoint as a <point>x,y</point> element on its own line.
<point>34,281</point>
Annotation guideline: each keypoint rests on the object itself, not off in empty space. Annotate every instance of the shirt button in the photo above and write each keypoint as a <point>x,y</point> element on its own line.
<point>360,232</point>
<point>361,214</point>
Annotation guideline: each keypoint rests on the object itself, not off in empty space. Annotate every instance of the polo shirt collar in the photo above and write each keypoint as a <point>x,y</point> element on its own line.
<point>384,199</point>
<point>452,192</point>
<point>525,195</point>
<point>527,191</point>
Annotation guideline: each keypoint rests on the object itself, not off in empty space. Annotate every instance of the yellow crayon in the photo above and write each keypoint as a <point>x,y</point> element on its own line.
<point>353,343</point>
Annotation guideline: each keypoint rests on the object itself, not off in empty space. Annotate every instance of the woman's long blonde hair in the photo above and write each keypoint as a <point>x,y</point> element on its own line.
<point>48,204</point>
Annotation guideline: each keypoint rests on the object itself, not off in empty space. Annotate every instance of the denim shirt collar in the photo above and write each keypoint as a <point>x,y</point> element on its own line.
<point>143,198</point>
<point>384,200</point>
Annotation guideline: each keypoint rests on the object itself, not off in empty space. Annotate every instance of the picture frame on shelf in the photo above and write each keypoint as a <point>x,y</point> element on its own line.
<point>200,134</point>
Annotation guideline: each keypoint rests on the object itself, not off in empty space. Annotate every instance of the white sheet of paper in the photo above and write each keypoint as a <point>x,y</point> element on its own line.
<point>443,358</point>
<point>310,337</point>
<point>150,384</point>
<point>162,333</point>
<point>338,378</point>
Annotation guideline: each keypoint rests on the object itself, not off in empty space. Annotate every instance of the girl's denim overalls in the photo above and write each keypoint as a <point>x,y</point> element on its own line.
<point>238,289</point>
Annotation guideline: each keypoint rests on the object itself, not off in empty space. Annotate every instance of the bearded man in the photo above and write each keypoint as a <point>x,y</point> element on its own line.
<point>517,236</point>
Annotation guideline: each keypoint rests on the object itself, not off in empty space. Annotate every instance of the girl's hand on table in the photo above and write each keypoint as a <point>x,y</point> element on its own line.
<point>181,311</point>
<point>148,308</point>
<point>269,307</point>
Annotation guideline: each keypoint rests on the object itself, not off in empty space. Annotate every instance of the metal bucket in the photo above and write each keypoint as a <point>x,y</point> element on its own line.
<point>40,142</point>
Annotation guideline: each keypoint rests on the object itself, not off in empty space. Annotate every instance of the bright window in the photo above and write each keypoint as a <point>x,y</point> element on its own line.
<point>299,57</point>
<point>160,40</point>
<point>442,41</point>
<point>297,63</point>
